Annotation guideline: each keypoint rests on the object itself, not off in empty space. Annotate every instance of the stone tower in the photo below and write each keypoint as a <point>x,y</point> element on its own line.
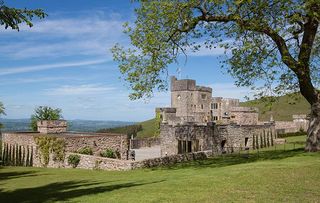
<point>191,101</point>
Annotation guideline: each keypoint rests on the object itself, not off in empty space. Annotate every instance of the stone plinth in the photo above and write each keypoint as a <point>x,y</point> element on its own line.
<point>52,126</point>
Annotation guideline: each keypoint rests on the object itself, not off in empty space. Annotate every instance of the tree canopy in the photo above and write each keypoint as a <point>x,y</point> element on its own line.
<point>272,46</point>
<point>44,113</point>
<point>13,17</point>
<point>266,41</point>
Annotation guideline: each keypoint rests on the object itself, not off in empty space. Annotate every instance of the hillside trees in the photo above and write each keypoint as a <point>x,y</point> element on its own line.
<point>2,112</point>
<point>13,17</point>
<point>273,45</point>
<point>44,113</point>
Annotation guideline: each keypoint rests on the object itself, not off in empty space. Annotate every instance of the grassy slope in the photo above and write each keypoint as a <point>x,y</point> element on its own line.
<point>281,110</point>
<point>148,128</point>
<point>276,176</point>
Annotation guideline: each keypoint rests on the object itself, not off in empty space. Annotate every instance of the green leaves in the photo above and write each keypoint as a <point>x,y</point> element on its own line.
<point>44,113</point>
<point>264,38</point>
<point>12,17</point>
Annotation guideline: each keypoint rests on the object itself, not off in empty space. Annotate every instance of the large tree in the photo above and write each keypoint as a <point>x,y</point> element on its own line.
<point>271,45</point>
<point>13,17</point>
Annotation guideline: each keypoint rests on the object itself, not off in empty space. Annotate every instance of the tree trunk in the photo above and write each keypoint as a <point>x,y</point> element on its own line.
<point>313,140</point>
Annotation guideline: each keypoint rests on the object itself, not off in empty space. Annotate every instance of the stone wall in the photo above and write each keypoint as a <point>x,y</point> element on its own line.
<point>200,136</point>
<point>98,142</point>
<point>219,138</point>
<point>300,122</point>
<point>74,141</point>
<point>52,126</point>
<point>232,138</point>
<point>101,163</point>
<point>23,138</point>
<point>244,115</point>
<point>144,142</point>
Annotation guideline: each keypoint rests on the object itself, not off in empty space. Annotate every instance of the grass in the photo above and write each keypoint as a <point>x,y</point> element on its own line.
<point>148,128</point>
<point>282,109</point>
<point>273,176</point>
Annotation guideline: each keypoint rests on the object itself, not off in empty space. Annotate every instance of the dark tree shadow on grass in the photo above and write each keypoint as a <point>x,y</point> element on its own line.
<point>62,191</point>
<point>16,174</point>
<point>234,159</point>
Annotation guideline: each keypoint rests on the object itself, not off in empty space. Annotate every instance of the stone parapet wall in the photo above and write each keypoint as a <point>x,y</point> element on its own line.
<point>170,160</point>
<point>24,139</point>
<point>101,163</point>
<point>98,143</point>
<point>74,141</point>
<point>144,142</point>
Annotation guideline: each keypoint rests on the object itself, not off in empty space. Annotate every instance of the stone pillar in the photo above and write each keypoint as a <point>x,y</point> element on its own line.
<point>52,126</point>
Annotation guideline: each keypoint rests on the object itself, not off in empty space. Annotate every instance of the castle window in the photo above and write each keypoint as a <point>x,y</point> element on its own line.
<point>215,118</point>
<point>184,146</point>
<point>214,106</point>
<point>233,117</point>
<point>201,106</point>
<point>246,141</point>
<point>203,96</point>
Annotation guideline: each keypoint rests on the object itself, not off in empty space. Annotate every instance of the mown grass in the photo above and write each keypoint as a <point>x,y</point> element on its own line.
<point>273,176</point>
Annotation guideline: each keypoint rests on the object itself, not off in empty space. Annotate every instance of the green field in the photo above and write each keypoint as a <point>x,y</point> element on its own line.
<point>273,176</point>
<point>148,128</point>
<point>282,109</point>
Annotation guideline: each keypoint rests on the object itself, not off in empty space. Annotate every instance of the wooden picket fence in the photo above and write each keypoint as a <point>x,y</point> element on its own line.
<point>16,155</point>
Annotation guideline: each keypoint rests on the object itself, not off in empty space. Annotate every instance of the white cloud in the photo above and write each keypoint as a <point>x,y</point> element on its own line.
<point>71,90</point>
<point>25,69</point>
<point>91,35</point>
<point>229,90</point>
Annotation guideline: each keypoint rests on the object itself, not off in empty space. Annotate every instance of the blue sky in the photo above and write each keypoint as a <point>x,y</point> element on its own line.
<point>64,61</point>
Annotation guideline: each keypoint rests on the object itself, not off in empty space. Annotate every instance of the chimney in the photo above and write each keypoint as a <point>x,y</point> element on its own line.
<point>52,126</point>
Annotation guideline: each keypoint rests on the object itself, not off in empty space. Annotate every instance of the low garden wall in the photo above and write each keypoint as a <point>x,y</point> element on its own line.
<point>102,163</point>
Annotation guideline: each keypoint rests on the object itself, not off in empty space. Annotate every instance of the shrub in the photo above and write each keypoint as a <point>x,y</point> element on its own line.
<point>299,133</point>
<point>109,153</point>
<point>85,150</point>
<point>74,160</point>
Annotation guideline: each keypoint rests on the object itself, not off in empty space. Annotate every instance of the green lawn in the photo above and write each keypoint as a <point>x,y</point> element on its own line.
<point>273,176</point>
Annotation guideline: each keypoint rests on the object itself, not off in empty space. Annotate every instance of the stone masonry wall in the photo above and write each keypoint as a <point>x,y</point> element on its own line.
<point>169,136</point>
<point>25,139</point>
<point>239,137</point>
<point>98,142</point>
<point>101,163</point>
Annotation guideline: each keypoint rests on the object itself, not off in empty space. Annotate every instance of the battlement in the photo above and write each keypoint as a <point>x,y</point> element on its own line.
<point>244,109</point>
<point>187,85</point>
<point>204,89</point>
<point>166,110</point>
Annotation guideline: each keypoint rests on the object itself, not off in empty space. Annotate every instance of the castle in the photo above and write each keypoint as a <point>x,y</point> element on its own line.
<point>196,121</point>
<point>192,103</point>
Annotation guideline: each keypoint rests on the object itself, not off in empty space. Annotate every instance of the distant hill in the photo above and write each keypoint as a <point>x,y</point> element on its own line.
<point>73,125</point>
<point>282,109</point>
